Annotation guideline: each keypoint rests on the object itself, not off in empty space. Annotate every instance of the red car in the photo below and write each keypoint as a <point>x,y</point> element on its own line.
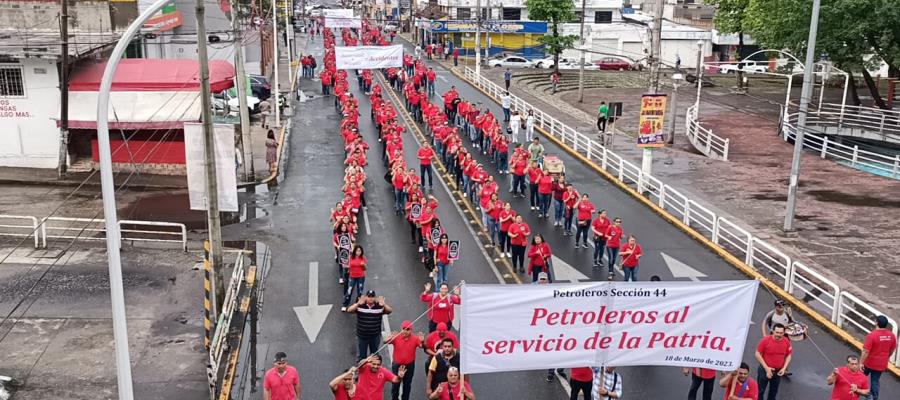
<point>614,64</point>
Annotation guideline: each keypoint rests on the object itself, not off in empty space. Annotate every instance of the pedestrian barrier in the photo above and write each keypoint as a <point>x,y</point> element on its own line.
<point>703,139</point>
<point>816,139</point>
<point>838,306</point>
<point>10,225</point>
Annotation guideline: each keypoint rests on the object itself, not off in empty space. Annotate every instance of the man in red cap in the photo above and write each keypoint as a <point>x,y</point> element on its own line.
<point>405,346</point>
<point>434,338</point>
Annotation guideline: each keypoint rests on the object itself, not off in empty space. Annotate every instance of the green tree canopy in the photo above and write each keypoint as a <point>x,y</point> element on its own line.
<point>554,12</point>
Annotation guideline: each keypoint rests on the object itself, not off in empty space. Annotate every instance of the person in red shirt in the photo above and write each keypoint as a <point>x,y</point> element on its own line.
<point>877,350</point>
<point>372,378</point>
<point>358,263</point>
<point>739,385</point>
<point>440,305</point>
<point>518,238</point>
<point>774,355</point>
<point>343,386</point>
<point>584,209</point>
<point>613,240</point>
<point>455,57</point>
<point>450,390</point>
<point>507,215</point>
<point>534,174</point>
<point>580,381</point>
<point>538,257</point>
<point>545,190</point>
<point>433,340</point>
<point>598,228</point>
<point>849,381</point>
<point>442,263</point>
<point>701,376</point>
<point>405,345</point>
<point>424,155</point>
<point>282,381</point>
<point>631,255</point>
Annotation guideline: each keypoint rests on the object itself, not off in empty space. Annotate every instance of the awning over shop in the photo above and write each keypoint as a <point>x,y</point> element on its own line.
<point>155,75</point>
<point>136,110</point>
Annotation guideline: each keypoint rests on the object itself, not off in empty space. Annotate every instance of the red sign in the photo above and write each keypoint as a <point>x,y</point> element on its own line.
<point>164,22</point>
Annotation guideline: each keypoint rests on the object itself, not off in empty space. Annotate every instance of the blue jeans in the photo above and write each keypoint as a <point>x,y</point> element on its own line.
<point>567,220</point>
<point>367,346</point>
<point>355,283</point>
<point>506,114</point>
<point>764,382</point>
<point>519,184</point>
<point>441,275</point>
<point>494,229</point>
<point>559,206</point>
<point>406,381</point>
<point>535,200</point>
<point>631,274</point>
<point>502,161</point>
<point>874,385</point>
<point>599,246</point>
<point>426,170</point>
<point>612,253</point>
<point>545,203</point>
<point>399,199</point>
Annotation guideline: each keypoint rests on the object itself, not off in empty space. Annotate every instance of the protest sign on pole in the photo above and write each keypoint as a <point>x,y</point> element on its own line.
<point>525,327</point>
<point>453,250</point>
<point>341,18</point>
<point>368,57</point>
<point>651,121</point>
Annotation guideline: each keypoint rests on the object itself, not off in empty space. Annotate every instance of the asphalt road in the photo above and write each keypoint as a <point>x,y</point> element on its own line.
<point>298,232</point>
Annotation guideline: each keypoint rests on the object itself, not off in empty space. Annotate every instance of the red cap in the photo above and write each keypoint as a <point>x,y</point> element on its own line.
<point>406,324</point>
<point>442,327</point>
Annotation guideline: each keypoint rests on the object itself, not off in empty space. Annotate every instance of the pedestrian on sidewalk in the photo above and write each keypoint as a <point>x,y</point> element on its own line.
<point>602,117</point>
<point>507,78</point>
<point>631,256</point>
<point>585,210</point>
<point>505,102</point>
<point>529,126</point>
<point>369,311</point>
<point>554,81</point>
<point>271,151</point>
<point>405,345</point>
<point>774,356</point>
<point>282,382</point>
<point>456,57</point>
<point>701,376</point>
<point>613,240</point>
<point>849,381</point>
<point>877,350</point>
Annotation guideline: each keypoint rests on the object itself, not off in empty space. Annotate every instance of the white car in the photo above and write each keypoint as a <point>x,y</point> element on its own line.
<point>511,62</point>
<point>548,62</point>
<point>747,67</point>
<point>575,64</point>
<point>223,98</point>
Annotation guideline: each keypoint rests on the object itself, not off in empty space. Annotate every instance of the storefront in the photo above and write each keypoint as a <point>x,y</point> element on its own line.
<point>498,37</point>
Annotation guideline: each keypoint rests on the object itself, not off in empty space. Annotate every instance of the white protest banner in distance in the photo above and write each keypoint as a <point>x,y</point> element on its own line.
<point>368,57</point>
<point>526,327</point>
<point>341,18</point>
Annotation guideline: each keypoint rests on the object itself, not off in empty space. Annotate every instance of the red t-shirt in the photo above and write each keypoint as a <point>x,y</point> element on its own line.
<point>504,225</point>
<point>496,209</point>
<point>583,374</point>
<point>519,167</point>
<point>601,225</point>
<point>433,339</point>
<point>443,254</point>
<point>631,260</point>
<point>358,267</point>
<point>425,155</point>
<point>405,348</point>
<point>613,236</point>
<point>533,175</point>
<point>440,309</point>
<point>585,210</point>
<point>842,381</point>
<point>774,351</point>
<point>705,373</point>
<point>545,184</point>
<point>748,389</point>
<point>282,386</point>
<point>452,393</point>
<point>880,343</point>
<point>341,393</point>
<point>371,384</point>
<point>522,230</point>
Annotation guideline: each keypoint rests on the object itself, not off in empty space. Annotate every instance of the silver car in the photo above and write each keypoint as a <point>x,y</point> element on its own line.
<point>511,62</point>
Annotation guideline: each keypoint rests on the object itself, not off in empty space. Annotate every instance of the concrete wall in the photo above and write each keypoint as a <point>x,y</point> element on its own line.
<point>84,15</point>
<point>27,127</point>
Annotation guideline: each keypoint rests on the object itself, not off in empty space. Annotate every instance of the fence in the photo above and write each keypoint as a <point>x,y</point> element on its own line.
<point>817,141</point>
<point>42,229</point>
<point>825,297</point>
<point>703,139</point>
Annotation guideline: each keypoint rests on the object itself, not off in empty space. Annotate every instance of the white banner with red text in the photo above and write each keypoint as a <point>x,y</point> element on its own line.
<point>341,18</point>
<point>368,57</point>
<point>528,327</point>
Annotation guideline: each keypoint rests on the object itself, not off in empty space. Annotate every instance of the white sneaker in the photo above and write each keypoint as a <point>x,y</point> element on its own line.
<point>420,249</point>
<point>343,309</point>
<point>509,255</point>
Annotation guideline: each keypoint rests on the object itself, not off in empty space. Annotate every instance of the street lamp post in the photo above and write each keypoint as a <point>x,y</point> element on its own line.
<point>677,78</point>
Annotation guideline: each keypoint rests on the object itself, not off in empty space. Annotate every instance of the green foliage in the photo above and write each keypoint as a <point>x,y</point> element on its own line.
<point>554,12</point>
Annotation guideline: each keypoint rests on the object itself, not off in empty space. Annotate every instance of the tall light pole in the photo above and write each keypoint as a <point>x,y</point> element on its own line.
<point>581,66</point>
<point>242,86</point>
<point>805,94</point>
<point>655,47</point>
<point>275,58</point>
<point>478,20</point>
<point>676,81</point>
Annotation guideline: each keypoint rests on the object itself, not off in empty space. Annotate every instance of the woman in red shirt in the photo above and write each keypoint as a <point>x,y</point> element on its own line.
<point>340,230</point>
<point>507,215</point>
<point>357,272</point>
<point>613,239</point>
<point>492,211</point>
<point>442,260</point>
<point>584,209</point>
<point>518,237</point>
<point>440,305</point>
<point>410,218</point>
<point>701,376</point>
<point>545,190</point>
<point>631,255</point>
<point>538,257</point>
<point>598,228</point>
<point>534,174</point>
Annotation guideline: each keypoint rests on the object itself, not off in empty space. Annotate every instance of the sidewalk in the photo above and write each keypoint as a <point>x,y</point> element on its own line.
<point>840,227</point>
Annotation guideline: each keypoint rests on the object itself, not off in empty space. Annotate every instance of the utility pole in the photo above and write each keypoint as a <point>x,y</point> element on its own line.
<point>805,94</point>
<point>63,89</point>
<point>275,58</point>
<point>288,30</point>
<point>212,184</point>
<point>581,66</point>
<point>655,46</point>
<point>242,87</point>
<point>478,38</point>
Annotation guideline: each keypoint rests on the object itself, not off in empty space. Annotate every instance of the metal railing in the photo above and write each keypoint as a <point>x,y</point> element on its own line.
<point>824,296</point>
<point>703,139</point>
<point>46,228</point>
<point>816,140</point>
<point>878,122</point>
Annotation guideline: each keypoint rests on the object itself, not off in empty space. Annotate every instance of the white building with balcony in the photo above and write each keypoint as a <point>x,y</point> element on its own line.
<point>596,11</point>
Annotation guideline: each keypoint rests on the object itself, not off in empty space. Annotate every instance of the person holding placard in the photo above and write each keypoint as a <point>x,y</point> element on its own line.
<point>442,260</point>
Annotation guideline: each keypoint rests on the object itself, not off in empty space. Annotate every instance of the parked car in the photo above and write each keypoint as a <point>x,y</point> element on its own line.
<point>259,86</point>
<point>548,62</point>
<point>614,64</point>
<point>576,64</point>
<point>511,61</point>
<point>747,66</point>
<point>223,101</point>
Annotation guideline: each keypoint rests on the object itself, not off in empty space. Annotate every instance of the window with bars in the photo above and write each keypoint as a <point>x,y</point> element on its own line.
<point>512,14</point>
<point>463,13</point>
<point>603,17</point>
<point>12,83</point>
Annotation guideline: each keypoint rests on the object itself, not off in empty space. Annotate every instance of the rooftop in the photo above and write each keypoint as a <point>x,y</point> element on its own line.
<point>47,44</point>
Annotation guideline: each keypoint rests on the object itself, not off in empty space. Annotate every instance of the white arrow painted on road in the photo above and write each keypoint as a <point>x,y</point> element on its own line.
<point>680,269</point>
<point>313,315</point>
<point>562,271</point>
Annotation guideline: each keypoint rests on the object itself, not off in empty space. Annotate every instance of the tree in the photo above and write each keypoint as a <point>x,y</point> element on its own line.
<point>729,18</point>
<point>554,12</point>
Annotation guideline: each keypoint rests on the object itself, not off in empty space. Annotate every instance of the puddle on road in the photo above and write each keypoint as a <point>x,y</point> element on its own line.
<point>175,207</point>
<point>831,196</point>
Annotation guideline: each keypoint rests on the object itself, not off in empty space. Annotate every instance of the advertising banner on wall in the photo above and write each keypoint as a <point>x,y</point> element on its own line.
<point>526,327</point>
<point>651,127</point>
<point>368,57</point>
<point>341,18</point>
<point>195,156</point>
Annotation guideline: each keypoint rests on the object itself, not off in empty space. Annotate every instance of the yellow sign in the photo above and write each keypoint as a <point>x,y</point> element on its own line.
<point>651,122</point>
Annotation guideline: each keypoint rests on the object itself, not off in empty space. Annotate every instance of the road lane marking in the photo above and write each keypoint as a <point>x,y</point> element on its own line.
<point>312,316</point>
<point>366,221</point>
